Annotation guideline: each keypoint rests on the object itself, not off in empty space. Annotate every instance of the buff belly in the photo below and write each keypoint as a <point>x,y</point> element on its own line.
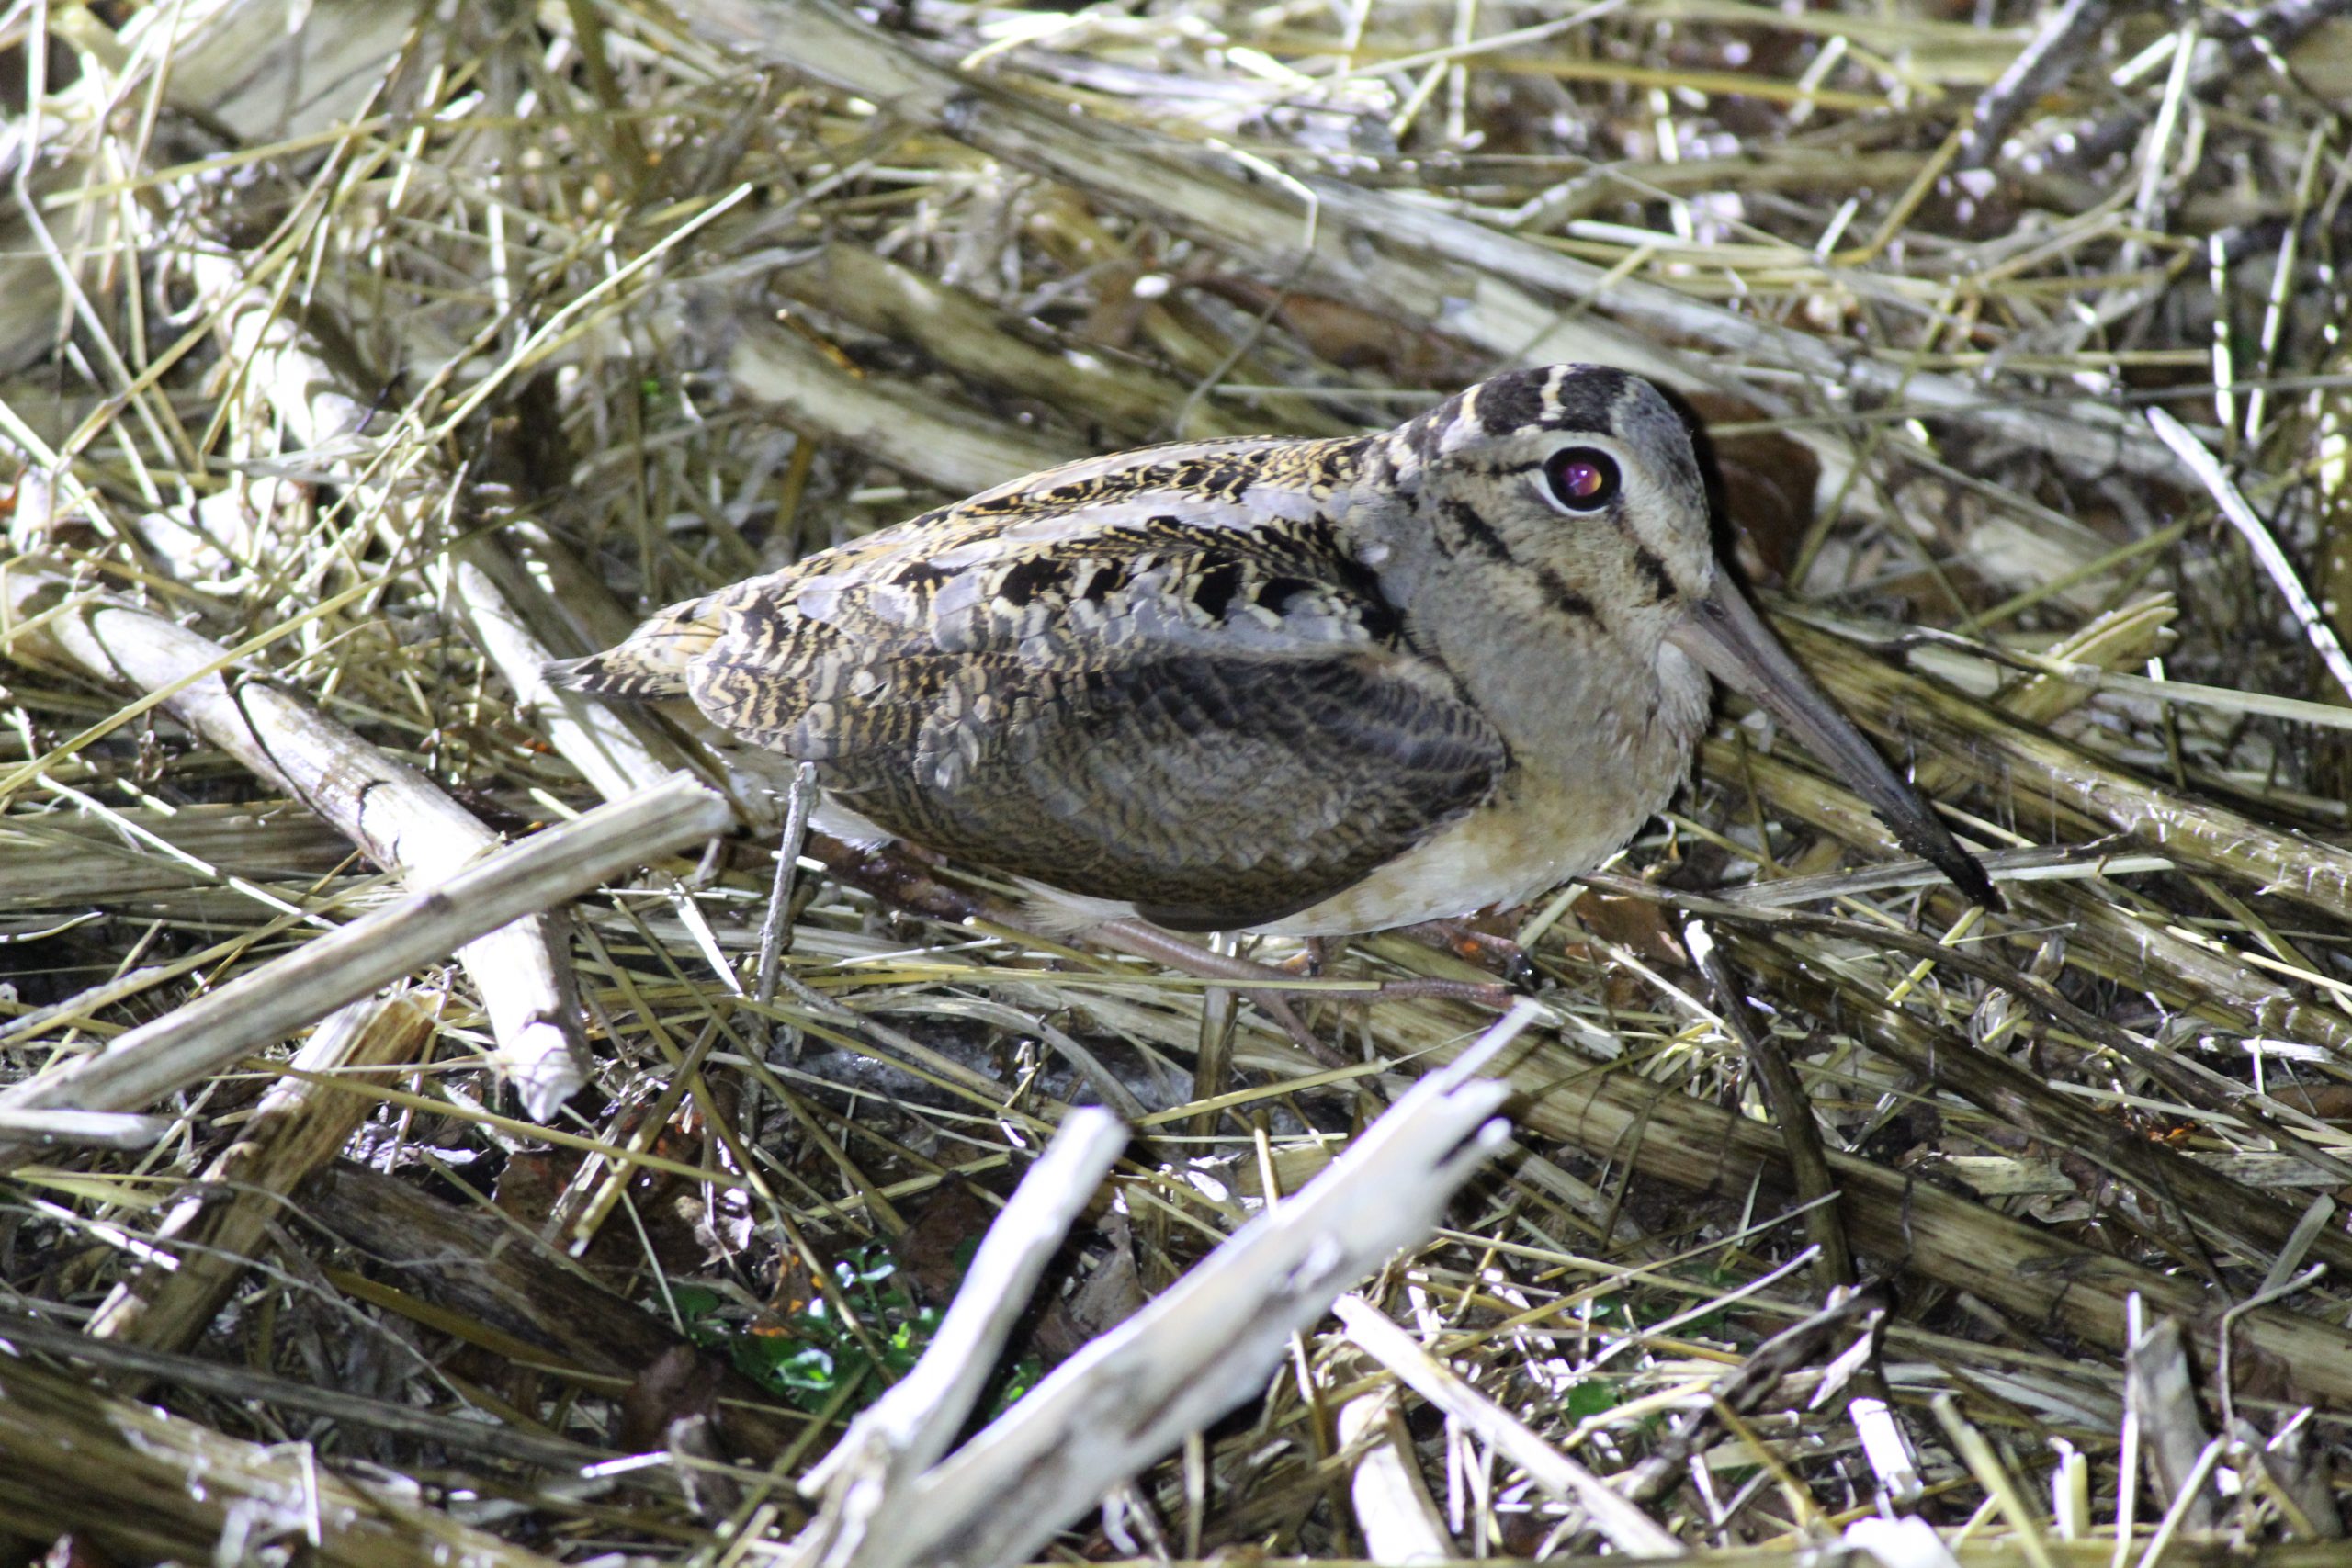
<point>1543,828</point>
<point>1504,854</point>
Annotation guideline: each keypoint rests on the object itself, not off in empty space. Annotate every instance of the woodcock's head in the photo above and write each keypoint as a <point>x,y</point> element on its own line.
<point>1574,496</point>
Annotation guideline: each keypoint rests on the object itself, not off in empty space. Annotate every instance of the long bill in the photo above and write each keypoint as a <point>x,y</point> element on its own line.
<point>1727,638</point>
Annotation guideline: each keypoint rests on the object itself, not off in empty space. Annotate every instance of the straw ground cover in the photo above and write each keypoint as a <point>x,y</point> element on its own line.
<point>413,1138</point>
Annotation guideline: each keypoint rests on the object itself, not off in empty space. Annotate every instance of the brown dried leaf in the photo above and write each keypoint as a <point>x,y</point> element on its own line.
<point>1769,484</point>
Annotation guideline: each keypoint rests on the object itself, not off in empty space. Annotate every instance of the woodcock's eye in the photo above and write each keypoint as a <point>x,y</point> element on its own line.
<point>1583,478</point>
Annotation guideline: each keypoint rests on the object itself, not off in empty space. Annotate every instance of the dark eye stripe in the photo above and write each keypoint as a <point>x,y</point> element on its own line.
<point>1477,531</point>
<point>1564,597</point>
<point>1646,560</point>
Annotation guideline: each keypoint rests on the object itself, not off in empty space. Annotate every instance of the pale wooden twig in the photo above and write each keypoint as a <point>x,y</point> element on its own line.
<point>1909,1540</point>
<point>282,996</point>
<point>1204,1344</point>
<point>2162,1386</point>
<point>800,801</point>
<point>400,819</point>
<point>616,750</point>
<point>905,1432</point>
<point>297,1128</point>
<point>2259,537</point>
<point>92,1129</point>
<point>1629,1530</point>
<point>1393,1507</point>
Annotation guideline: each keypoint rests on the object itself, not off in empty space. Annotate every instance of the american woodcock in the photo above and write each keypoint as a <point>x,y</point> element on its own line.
<point>1306,686</point>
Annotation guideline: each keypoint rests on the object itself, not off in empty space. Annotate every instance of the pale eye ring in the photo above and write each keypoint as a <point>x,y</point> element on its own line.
<point>1582,478</point>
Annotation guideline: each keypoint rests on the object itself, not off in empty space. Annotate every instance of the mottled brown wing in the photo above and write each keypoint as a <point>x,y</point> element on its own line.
<point>1219,727</point>
<point>1210,793</point>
